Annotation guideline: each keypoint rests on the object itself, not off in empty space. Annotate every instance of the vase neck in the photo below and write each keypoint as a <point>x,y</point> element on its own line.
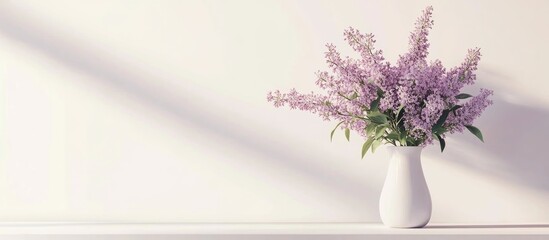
<point>407,153</point>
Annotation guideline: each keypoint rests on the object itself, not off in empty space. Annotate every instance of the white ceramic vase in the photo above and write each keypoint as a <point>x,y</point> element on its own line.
<point>405,201</point>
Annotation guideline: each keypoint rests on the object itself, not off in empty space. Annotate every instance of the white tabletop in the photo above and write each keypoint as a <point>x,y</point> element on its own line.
<point>296,230</point>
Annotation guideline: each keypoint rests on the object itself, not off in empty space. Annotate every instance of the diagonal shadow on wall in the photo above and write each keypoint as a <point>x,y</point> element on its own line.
<point>515,138</point>
<point>122,77</point>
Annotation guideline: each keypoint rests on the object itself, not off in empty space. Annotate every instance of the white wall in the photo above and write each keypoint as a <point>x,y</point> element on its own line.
<point>156,111</point>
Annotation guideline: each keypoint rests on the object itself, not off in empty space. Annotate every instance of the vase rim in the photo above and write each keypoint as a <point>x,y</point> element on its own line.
<point>405,149</point>
<point>390,146</point>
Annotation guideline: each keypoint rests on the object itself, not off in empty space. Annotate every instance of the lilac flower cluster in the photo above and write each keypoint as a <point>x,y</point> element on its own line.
<point>411,103</point>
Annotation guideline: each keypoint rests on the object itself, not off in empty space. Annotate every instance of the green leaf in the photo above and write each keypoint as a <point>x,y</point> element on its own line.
<point>400,113</point>
<point>379,92</point>
<point>401,127</point>
<point>439,130</point>
<point>463,96</point>
<point>443,117</point>
<point>442,144</point>
<point>347,134</point>
<point>374,105</point>
<point>333,131</point>
<point>366,146</point>
<point>475,131</point>
<point>455,108</point>
<point>393,136</point>
<point>375,144</point>
<point>377,117</point>
<point>370,129</point>
<point>402,138</point>
<point>380,131</point>
<point>380,119</point>
<point>441,141</point>
<point>438,125</point>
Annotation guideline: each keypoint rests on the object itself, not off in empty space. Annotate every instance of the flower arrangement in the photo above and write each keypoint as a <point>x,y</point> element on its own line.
<point>411,103</point>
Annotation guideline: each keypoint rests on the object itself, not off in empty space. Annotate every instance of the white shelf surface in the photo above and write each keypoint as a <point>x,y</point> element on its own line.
<point>45,230</point>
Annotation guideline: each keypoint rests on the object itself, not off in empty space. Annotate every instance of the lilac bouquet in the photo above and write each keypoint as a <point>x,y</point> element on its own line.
<point>411,103</point>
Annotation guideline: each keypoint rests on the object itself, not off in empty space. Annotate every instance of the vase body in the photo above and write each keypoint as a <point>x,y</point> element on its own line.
<point>405,201</point>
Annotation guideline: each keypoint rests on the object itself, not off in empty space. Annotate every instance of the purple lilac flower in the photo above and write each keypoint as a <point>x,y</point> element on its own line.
<point>470,111</point>
<point>424,93</point>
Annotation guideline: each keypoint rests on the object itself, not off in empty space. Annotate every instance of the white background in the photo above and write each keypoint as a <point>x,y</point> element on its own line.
<point>155,111</point>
